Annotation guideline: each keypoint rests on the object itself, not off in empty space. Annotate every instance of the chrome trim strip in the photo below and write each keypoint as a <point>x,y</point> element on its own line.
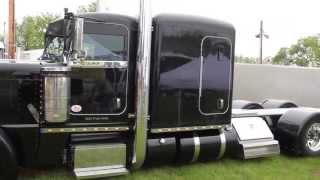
<point>20,126</point>
<point>143,83</point>
<point>127,83</point>
<point>238,113</point>
<point>19,61</point>
<point>223,144</point>
<point>186,129</point>
<point>34,112</point>
<point>56,69</point>
<point>100,167</point>
<point>100,64</point>
<point>196,153</point>
<point>201,74</point>
<point>100,172</point>
<point>22,66</point>
<point>84,129</point>
<point>200,81</point>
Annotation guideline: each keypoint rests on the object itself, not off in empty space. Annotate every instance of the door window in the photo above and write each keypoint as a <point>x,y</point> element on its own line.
<point>215,75</point>
<point>101,47</point>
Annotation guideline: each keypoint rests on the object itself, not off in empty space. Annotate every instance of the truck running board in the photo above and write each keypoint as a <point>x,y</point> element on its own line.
<point>99,160</point>
<point>99,172</point>
<point>255,138</point>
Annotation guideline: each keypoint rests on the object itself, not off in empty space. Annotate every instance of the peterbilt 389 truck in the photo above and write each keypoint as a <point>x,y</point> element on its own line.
<point>113,93</point>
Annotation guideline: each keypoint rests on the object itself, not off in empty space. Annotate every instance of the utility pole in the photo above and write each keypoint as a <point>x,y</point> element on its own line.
<point>11,30</point>
<point>4,34</point>
<point>261,35</point>
<point>4,41</point>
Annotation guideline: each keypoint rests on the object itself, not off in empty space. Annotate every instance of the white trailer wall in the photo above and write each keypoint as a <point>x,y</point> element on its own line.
<point>258,82</point>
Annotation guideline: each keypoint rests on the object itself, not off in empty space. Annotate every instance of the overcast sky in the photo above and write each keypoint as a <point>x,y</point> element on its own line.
<point>285,20</point>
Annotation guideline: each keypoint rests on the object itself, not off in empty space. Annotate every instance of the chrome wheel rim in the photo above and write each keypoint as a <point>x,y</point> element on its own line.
<point>313,137</point>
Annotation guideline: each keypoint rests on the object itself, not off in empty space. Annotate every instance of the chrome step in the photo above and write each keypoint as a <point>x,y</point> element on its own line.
<point>100,172</point>
<point>99,160</point>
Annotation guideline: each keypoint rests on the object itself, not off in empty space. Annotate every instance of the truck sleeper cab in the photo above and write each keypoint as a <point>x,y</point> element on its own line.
<point>192,72</point>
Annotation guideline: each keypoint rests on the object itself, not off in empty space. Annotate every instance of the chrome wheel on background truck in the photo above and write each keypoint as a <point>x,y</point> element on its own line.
<point>298,131</point>
<point>311,138</point>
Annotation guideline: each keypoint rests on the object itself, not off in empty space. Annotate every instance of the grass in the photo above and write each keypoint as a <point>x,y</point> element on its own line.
<point>280,167</point>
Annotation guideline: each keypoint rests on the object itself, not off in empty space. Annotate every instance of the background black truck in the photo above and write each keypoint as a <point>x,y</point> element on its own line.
<point>127,92</point>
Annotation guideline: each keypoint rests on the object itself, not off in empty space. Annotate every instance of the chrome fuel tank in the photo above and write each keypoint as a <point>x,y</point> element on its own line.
<point>56,90</point>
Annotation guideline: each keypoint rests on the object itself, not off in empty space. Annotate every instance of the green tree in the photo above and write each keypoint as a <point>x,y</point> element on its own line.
<point>281,57</point>
<point>306,52</point>
<point>31,32</point>
<point>92,7</point>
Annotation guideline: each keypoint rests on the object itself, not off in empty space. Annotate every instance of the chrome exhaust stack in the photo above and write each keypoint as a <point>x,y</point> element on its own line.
<point>143,82</point>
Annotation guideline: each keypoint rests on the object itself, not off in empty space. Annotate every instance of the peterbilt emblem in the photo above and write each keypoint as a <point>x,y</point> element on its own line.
<point>76,108</point>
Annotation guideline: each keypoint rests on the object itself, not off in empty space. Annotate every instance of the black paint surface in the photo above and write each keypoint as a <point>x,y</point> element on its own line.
<point>176,63</point>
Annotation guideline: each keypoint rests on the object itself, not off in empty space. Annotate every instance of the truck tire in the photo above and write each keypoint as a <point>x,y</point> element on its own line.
<point>310,138</point>
<point>275,103</point>
<point>8,160</point>
<point>243,104</point>
<point>298,131</point>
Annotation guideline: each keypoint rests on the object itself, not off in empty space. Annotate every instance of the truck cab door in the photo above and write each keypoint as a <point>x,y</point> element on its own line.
<point>215,75</point>
<point>99,85</point>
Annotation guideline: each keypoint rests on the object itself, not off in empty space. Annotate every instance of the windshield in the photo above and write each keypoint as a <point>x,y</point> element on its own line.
<point>54,49</point>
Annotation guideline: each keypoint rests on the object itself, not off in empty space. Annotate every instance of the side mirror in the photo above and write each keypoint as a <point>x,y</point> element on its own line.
<point>78,50</point>
<point>67,34</point>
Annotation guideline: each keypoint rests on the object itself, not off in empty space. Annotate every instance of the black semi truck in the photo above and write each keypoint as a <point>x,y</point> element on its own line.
<point>112,93</point>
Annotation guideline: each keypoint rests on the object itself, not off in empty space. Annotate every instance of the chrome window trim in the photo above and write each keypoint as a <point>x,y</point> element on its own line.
<point>127,83</point>
<point>201,74</point>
